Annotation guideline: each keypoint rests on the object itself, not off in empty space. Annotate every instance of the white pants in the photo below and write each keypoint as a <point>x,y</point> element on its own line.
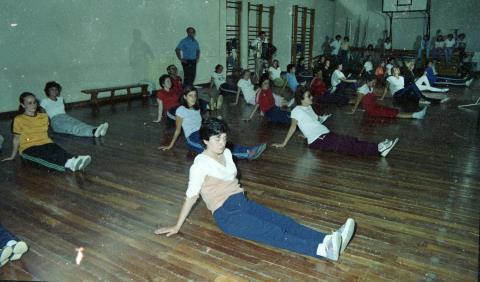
<point>424,85</point>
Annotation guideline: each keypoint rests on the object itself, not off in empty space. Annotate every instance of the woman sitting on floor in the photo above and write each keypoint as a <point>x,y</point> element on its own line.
<point>30,139</point>
<point>435,79</point>
<point>219,80</point>
<point>213,176</point>
<point>321,138</point>
<point>245,86</point>
<point>422,82</point>
<point>275,73</point>
<point>407,96</point>
<point>189,119</point>
<point>368,99</point>
<point>168,100</point>
<point>270,103</point>
<point>60,122</point>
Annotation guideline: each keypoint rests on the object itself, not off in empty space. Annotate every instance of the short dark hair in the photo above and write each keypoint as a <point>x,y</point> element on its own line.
<point>51,84</point>
<point>162,79</point>
<point>317,70</point>
<point>218,66</point>
<point>212,127</point>
<point>346,38</point>
<point>263,78</point>
<point>21,99</point>
<point>338,36</point>
<point>290,67</point>
<point>187,89</point>
<point>171,66</point>
<point>242,74</point>
<point>190,27</point>
<point>300,94</point>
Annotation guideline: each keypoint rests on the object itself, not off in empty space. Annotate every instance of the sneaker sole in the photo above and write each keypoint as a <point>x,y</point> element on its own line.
<point>19,249</point>
<point>260,151</point>
<point>336,243</point>
<point>104,130</point>
<point>349,227</point>
<point>387,151</point>
<point>85,162</point>
<point>6,253</point>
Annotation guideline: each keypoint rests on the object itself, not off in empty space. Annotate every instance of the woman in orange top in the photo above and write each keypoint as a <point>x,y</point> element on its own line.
<point>31,140</point>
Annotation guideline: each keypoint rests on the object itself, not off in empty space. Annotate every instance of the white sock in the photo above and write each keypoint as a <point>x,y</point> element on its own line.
<point>11,243</point>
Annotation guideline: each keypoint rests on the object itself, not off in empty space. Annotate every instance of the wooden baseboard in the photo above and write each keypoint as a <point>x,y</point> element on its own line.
<point>82,104</point>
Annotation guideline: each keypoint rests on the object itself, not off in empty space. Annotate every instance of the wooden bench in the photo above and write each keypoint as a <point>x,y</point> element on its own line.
<point>94,92</point>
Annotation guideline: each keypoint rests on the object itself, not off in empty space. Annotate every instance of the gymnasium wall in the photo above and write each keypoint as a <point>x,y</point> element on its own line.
<point>446,15</point>
<point>90,43</point>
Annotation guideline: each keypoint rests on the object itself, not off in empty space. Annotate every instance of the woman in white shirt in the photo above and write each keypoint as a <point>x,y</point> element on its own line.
<point>245,86</point>
<point>218,79</point>
<point>321,138</point>
<point>188,119</point>
<point>213,176</point>
<point>276,74</point>
<point>340,82</point>
<point>60,122</point>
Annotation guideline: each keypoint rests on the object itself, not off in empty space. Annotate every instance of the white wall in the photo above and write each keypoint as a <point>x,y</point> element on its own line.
<point>88,43</point>
<point>446,15</point>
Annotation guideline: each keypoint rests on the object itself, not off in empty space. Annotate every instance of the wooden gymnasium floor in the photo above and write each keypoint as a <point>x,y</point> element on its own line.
<point>417,211</point>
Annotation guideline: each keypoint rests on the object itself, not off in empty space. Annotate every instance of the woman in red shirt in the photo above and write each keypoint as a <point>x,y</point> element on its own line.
<point>368,99</point>
<point>168,100</point>
<point>317,86</point>
<point>265,100</point>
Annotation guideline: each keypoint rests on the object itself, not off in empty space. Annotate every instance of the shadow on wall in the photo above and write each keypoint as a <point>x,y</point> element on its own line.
<point>140,58</point>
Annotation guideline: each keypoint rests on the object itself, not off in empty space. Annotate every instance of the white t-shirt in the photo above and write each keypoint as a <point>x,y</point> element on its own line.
<point>449,43</point>
<point>395,83</point>
<point>218,79</point>
<point>248,91</point>
<point>368,66</point>
<point>308,123</point>
<point>439,44</point>
<point>274,72</point>
<point>53,108</point>
<point>192,120</point>
<point>336,79</point>
<point>364,90</point>
<point>389,68</point>
<point>335,47</point>
<point>204,165</point>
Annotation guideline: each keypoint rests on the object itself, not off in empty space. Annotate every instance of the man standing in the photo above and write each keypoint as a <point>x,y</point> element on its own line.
<point>188,52</point>
<point>257,47</point>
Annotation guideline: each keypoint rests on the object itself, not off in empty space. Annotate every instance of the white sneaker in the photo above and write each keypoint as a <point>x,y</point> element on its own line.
<point>444,100</point>
<point>384,144</point>
<point>469,82</point>
<point>18,250</point>
<point>5,253</point>
<point>425,102</point>
<point>98,131</point>
<point>420,114</point>
<point>330,247</point>
<point>84,162</point>
<point>104,129</point>
<point>445,89</point>
<point>346,231</point>
<point>387,147</point>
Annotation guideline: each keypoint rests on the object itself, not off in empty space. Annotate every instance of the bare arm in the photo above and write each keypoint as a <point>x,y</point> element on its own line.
<point>160,110</point>
<point>186,208</point>
<point>238,96</point>
<point>16,144</point>
<point>253,113</point>
<point>211,83</point>
<point>179,56</point>
<point>385,91</point>
<point>178,129</point>
<point>359,98</point>
<point>291,130</point>
<point>348,80</point>
<point>198,55</point>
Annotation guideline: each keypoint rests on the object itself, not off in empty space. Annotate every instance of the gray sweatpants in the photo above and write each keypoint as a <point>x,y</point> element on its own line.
<point>66,124</point>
